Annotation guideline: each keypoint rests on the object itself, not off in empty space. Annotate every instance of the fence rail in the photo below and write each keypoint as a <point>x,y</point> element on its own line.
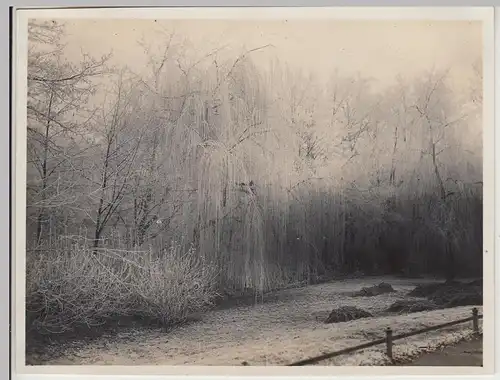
<point>390,338</point>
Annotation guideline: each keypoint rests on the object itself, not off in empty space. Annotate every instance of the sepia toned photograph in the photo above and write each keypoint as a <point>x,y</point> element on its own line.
<point>259,191</point>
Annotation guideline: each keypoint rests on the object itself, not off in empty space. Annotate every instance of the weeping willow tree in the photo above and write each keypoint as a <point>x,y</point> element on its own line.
<point>203,119</point>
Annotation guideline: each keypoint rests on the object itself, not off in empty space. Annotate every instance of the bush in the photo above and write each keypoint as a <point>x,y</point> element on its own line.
<point>376,290</point>
<point>457,296</point>
<point>451,294</point>
<point>66,289</point>
<point>426,290</point>
<point>478,283</point>
<point>411,306</point>
<point>465,299</point>
<point>174,285</point>
<point>347,313</point>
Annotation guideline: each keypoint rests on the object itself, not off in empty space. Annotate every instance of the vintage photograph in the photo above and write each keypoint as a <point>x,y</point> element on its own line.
<point>254,192</point>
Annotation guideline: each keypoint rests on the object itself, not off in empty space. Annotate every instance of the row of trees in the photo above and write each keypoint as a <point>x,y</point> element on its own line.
<point>270,175</point>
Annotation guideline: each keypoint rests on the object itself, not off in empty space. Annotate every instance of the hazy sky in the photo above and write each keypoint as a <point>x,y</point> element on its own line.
<point>378,49</point>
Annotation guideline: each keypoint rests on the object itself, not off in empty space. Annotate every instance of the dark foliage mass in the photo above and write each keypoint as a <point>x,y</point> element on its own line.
<point>411,306</point>
<point>458,295</point>
<point>347,313</point>
<point>451,293</point>
<point>375,290</point>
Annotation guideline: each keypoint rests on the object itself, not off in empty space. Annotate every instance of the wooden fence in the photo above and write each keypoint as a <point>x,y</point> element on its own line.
<point>390,338</point>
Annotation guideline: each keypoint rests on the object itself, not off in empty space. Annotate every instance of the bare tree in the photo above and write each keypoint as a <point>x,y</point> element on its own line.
<point>58,113</point>
<point>437,117</point>
<point>118,139</point>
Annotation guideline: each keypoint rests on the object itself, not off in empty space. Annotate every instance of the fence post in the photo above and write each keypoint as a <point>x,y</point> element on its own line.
<point>388,342</point>
<point>475,320</point>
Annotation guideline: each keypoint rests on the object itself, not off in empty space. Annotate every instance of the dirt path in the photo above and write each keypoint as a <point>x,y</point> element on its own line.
<point>466,353</point>
<point>289,329</point>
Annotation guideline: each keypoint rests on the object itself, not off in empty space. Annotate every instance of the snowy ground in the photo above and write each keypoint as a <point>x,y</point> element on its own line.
<point>280,332</point>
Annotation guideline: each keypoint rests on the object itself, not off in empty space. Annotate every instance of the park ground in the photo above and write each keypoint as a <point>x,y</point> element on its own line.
<point>286,326</point>
<point>467,353</point>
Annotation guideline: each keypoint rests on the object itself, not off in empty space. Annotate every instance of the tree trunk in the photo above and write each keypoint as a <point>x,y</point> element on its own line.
<point>41,214</point>
<point>449,254</point>
<point>450,261</point>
